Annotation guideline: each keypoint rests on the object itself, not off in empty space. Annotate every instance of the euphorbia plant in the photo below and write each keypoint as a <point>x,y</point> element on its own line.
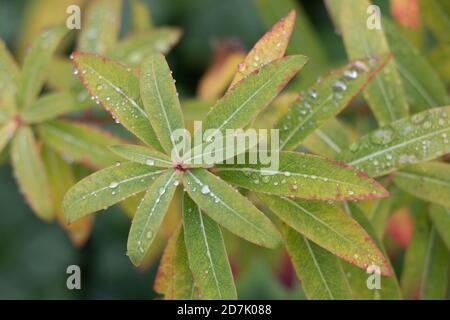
<point>146,103</point>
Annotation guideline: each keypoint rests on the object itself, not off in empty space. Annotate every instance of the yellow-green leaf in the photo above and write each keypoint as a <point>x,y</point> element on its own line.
<point>117,88</point>
<point>30,173</point>
<point>331,228</point>
<point>385,93</point>
<point>9,71</point>
<point>429,181</point>
<point>248,97</point>
<point>304,176</point>
<point>319,271</point>
<point>150,214</point>
<point>107,187</point>
<point>325,99</point>
<point>36,63</point>
<point>160,99</point>
<point>6,133</point>
<point>80,142</point>
<point>230,209</point>
<point>423,87</point>
<point>421,137</point>
<point>101,27</point>
<point>134,49</point>
<point>441,221</point>
<point>207,254</point>
<point>50,106</point>
<point>270,47</point>
<point>143,155</point>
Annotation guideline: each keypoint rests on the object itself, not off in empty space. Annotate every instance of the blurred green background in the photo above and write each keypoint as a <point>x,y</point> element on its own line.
<point>34,255</point>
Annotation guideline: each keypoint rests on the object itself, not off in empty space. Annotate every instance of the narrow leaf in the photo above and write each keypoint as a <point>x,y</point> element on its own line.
<point>325,100</point>
<point>117,88</point>
<point>6,133</point>
<point>423,87</point>
<point>304,38</point>
<point>435,273</point>
<point>61,177</point>
<point>426,263</point>
<point>143,155</point>
<point>329,227</point>
<point>101,26</point>
<point>134,49</point>
<point>436,14</point>
<point>429,181</point>
<point>240,105</point>
<point>207,254</point>
<point>230,209</point>
<point>385,93</point>
<point>319,271</point>
<point>160,100</point>
<point>50,106</point>
<point>441,221</point>
<point>107,187</point>
<point>36,63</point>
<point>329,140</point>
<point>305,176</point>
<point>80,142</point>
<point>9,71</point>
<point>269,48</point>
<point>30,173</point>
<point>141,18</point>
<point>422,137</point>
<point>149,215</point>
<point>358,278</point>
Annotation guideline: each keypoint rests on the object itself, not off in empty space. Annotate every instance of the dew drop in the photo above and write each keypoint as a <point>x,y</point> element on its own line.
<point>149,234</point>
<point>149,162</point>
<point>205,189</point>
<point>382,136</point>
<point>113,185</point>
<point>339,86</point>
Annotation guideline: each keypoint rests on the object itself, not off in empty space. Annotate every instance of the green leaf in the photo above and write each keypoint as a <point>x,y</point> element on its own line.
<point>117,88</point>
<point>149,215</point>
<point>9,71</point>
<point>441,221</point>
<point>143,155</point>
<point>325,100</point>
<point>107,187</point>
<point>422,137</point>
<point>30,173</point>
<point>50,106</point>
<point>358,278</point>
<point>6,133</point>
<point>319,271</point>
<point>330,228</point>
<point>135,48</point>
<point>423,87</point>
<point>230,209</point>
<point>207,254</point>
<point>80,142</point>
<point>101,26</point>
<point>160,99</point>
<point>174,278</point>
<point>385,93</point>
<point>141,17</point>
<point>429,181</point>
<point>184,285</point>
<point>304,38</point>
<point>378,215</point>
<point>248,97</point>
<point>436,14</point>
<point>329,140</point>
<point>305,176</point>
<point>270,47</point>
<point>36,63</point>
<point>426,263</point>
<point>61,177</point>
<point>435,273</point>
<point>415,257</point>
